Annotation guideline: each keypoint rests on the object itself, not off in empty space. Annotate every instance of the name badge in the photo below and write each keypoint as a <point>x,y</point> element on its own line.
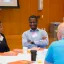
<point>1,38</point>
<point>34,34</point>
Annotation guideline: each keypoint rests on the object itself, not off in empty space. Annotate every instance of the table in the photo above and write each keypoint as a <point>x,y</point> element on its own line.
<point>21,56</point>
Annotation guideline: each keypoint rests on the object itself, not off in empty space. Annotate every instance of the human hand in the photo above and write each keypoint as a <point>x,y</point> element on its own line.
<point>31,42</point>
<point>44,37</point>
<point>35,48</point>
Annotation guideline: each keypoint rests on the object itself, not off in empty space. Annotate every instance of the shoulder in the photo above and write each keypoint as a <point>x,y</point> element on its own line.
<point>54,44</point>
<point>58,43</point>
<point>26,32</point>
<point>41,30</point>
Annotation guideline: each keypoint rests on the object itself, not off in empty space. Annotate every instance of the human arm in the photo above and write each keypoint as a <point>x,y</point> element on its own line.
<point>44,39</point>
<point>26,42</point>
<point>49,56</point>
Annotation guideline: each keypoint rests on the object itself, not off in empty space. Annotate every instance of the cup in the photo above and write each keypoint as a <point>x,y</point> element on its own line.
<point>25,50</point>
<point>33,55</point>
<point>39,57</point>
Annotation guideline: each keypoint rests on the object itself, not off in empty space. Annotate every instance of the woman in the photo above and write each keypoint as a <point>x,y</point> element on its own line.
<point>3,44</point>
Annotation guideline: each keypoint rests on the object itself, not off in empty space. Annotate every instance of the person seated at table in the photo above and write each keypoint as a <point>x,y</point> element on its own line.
<point>55,54</point>
<point>34,37</point>
<point>3,43</point>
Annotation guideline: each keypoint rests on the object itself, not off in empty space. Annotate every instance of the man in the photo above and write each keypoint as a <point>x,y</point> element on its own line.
<point>34,37</point>
<point>55,54</point>
<point>3,44</point>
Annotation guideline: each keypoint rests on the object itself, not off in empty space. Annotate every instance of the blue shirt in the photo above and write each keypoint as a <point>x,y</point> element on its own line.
<point>36,37</point>
<point>55,54</point>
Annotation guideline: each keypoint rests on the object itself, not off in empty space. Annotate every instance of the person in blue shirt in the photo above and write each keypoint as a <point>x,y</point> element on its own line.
<point>55,54</point>
<point>34,37</point>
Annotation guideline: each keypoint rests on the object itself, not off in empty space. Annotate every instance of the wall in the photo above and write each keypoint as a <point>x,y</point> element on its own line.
<point>15,21</point>
<point>56,10</point>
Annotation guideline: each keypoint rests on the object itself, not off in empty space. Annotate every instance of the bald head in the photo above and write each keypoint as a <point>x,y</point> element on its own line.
<point>60,32</point>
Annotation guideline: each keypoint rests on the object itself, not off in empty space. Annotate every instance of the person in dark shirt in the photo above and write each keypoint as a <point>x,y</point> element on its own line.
<point>3,43</point>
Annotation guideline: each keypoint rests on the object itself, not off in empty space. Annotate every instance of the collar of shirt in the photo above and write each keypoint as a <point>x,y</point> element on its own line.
<point>63,38</point>
<point>34,30</point>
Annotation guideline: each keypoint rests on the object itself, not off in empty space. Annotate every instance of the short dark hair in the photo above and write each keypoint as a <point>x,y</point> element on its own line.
<point>33,16</point>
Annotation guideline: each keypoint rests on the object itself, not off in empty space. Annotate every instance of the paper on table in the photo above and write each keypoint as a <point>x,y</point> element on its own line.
<point>7,0</point>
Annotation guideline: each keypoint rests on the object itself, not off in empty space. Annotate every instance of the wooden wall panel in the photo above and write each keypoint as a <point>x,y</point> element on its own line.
<point>14,41</point>
<point>15,21</point>
<point>56,10</point>
<point>63,7</point>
